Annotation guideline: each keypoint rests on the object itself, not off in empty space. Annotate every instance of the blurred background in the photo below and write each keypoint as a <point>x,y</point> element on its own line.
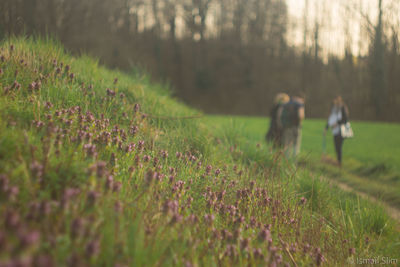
<point>233,56</point>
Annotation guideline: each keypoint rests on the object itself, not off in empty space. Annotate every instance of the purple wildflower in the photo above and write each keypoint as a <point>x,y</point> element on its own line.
<point>93,248</point>
<point>117,187</point>
<point>208,169</point>
<point>77,228</point>
<point>28,239</point>
<point>136,108</point>
<point>118,207</point>
<point>110,92</point>
<point>92,196</point>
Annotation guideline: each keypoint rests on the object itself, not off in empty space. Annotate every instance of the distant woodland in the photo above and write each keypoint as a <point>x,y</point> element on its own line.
<point>225,56</point>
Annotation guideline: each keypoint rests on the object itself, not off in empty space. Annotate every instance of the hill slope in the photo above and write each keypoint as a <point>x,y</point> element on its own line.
<point>104,169</point>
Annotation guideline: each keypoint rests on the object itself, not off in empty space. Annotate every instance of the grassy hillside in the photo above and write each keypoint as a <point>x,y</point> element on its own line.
<point>101,168</point>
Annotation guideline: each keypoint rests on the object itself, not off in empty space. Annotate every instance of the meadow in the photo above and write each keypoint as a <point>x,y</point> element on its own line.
<point>371,161</point>
<point>103,168</point>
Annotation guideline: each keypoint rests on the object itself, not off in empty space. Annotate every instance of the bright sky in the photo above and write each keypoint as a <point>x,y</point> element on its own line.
<point>338,19</point>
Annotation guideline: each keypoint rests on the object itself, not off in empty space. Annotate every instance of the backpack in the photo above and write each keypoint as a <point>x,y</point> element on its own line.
<point>290,116</point>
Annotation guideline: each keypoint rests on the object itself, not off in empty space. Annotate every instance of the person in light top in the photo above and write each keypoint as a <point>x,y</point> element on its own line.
<point>338,116</point>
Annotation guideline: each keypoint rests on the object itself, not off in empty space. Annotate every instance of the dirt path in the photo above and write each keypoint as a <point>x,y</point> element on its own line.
<point>392,211</point>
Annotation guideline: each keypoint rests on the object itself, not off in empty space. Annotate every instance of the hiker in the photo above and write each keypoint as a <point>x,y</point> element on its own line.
<point>291,116</point>
<point>274,134</point>
<point>337,118</point>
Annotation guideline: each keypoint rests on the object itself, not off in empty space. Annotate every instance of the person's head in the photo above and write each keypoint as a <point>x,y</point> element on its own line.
<point>338,101</point>
<point>281,98</point>
<point>298,99</point>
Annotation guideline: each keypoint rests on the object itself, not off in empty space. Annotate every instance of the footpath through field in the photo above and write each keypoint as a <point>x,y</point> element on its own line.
<point>340,178</point>
<point>392,211</point>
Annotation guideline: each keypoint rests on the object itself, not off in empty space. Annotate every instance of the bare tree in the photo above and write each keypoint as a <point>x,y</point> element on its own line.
<point>377,66</point>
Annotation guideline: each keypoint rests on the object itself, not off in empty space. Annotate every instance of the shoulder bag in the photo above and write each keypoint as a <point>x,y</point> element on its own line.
<point>346,131</point>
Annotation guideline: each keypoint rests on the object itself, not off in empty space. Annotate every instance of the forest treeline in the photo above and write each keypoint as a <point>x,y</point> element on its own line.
<point>223,56</point>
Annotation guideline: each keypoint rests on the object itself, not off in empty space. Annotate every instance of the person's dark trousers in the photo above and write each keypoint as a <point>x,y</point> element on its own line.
<point>338,139</point>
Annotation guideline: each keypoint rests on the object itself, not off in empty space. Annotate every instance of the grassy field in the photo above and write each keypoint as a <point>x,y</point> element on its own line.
<point>101,168</point>
<point>371,160</point>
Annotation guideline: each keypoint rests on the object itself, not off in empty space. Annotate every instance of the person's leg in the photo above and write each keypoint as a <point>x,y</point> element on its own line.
<point>287,142</point>
<point>341,139</point>
<point>297,139</point>
<point>336,142</point>
<point>338,139</point>
<point>278,139</point>
<point>293,142</point>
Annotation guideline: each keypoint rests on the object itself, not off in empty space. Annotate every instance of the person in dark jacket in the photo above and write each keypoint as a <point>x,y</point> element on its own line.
<point>274,134</point>
<point>338,117</point>
<point>291,116</point>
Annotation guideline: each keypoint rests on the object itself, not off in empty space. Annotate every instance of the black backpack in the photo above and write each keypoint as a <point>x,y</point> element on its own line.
<point>290,116</point>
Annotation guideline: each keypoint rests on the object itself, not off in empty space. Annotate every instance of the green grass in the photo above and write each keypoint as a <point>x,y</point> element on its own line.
<point>96,179</point>
<point>371,160</point>
<point>374,143</point>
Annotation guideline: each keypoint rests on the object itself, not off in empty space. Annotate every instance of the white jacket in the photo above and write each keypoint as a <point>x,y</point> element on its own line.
<point>334,118</point>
